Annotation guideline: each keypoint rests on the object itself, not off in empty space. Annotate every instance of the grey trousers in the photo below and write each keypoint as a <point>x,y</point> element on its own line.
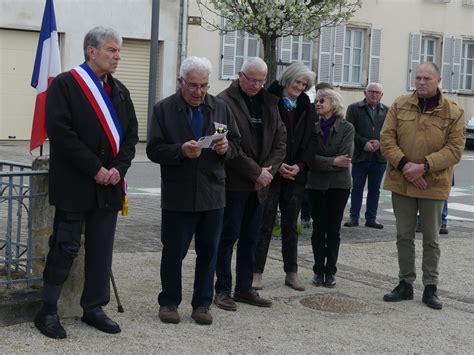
<point>406,209</point>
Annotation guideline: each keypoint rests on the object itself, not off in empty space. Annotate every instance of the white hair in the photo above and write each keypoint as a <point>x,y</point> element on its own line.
<point>194,63</point>
<point>256,63</point>
<point>377,85</point>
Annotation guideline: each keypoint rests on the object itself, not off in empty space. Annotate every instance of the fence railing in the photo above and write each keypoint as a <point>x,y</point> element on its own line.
<point>16,199</point>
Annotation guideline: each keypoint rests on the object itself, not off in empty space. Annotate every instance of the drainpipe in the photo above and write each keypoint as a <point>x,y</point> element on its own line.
<point>155,23</point>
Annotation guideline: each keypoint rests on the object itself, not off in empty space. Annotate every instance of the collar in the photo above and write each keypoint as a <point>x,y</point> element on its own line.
<point>183,105</point>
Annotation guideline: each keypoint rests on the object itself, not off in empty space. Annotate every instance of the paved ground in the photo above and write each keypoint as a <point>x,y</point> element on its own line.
<point>351,318</point>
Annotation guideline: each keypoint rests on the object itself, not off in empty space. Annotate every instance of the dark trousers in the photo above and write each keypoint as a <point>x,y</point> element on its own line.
<point>242,219</point>
<point>372,172</point>
<point>177,230</point>
<point>306,206</point>
<point>327,211</point>
<point>99,230</point>
<point>288,195</point>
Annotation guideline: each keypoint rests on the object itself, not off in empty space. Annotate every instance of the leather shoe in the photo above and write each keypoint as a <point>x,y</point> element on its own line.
<point>430,297</point>
<point>443,229</point>
<point>98,319</point>
<point>49,325</point>
<point>169,314</point>
<point>252,297</point>
<point>318,280</point>
<point>225,302</point>
<point>202,315</point>
<point>373,224</point>
<point>330,280</point>
<point>404,291</point>
<point>291,280</point>
<point>351,223</point>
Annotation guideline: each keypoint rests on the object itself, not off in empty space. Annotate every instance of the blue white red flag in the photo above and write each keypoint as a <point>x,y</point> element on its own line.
<point>47,66</point>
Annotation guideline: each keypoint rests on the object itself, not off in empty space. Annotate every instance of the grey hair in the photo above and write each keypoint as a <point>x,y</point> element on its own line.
<point>335,99</point>
<point>194,63</point>
<point>433,65</point>
<point>377,85</point>
<point>256,63</point>
<point>297,71</point>
<point>98,36</point>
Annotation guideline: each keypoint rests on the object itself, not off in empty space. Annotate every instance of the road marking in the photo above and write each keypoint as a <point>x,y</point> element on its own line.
<point>154,191</point>
<point>450,216</point>
<point>460,207</point>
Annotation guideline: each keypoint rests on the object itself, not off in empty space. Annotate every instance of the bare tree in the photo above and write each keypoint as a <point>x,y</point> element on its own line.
<point>272,19</point>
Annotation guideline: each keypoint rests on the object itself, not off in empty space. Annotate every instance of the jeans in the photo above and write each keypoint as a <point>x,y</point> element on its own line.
<point>372,172</point>
<point>242,219</point>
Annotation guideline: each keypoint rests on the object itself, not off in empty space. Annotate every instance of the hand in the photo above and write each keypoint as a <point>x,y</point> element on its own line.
<point>191,149</point>
<point>221,146</point>
<point>368,147</point>
<point>375,144</point>
<point>413,171</point>
<point>113,178</point>
<point>102,176</point>
<point>264,179</point>
<point>420,183</point>
<point>342,161</point>
<point>289,171</point>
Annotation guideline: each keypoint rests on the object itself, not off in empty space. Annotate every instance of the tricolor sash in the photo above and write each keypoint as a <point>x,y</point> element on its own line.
<point>105,111</point>
<point>100,102</point>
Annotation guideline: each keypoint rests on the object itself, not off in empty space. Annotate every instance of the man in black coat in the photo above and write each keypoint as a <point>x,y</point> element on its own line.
<point>367,117</point>
<point>89,158</point>
<point>192,184</point>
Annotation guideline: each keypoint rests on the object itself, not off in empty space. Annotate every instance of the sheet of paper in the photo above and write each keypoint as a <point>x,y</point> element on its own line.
<point>208,141</point>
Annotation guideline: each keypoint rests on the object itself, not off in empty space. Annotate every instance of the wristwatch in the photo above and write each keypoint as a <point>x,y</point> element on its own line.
<point>426,167</point>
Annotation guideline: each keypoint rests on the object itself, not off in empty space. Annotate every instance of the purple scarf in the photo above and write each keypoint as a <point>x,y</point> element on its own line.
<point>326,127</point>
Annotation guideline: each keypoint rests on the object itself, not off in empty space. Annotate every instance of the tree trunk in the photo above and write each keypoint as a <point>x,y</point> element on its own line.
<point>269,56</point>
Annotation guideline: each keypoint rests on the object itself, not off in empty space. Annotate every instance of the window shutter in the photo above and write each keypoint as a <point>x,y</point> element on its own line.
<point>325,58</point>
<point>447,63</point>
<point>284,52</point>
<point>229,42</point>
<point>340,33</point>
<point>375,50</point>
<point>413,59</point>
<point>457,49</point>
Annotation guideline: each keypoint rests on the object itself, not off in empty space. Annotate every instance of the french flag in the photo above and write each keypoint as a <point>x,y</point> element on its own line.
<point>47,66</point>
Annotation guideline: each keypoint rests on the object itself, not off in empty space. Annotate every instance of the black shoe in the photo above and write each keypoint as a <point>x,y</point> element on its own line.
<point>318,280</point>
<point>373,224</point>
<point>418,228</point>
<point>404,291</point>
<point>252,297</point>
<point>98,319</point>
<point>352,223</point>
<point>443,229</point>
<point>49,325</point>
<point>330,280</point>
<point>430,297</point>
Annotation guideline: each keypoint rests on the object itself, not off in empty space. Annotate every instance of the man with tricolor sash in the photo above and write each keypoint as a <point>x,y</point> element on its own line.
<point>92,127</point>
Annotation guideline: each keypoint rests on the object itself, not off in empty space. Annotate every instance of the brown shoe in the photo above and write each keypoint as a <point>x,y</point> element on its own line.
<point>257,281</point>
<point>252,297</point>
<point>169,314</point>
<point>292,280</point>
<point>202,315</point>
<point>224,301</point>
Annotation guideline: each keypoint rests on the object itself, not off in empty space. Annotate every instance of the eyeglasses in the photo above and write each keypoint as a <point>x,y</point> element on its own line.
<point>374,92</point>
<point>196,87</point>
<point>320,101</point>
<point>254,81</point>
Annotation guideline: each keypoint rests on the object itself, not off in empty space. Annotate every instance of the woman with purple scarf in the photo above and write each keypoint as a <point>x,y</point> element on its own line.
<point>329,182</point>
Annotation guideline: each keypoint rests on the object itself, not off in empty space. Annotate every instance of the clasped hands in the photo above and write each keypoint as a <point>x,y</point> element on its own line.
<point>107,176</point>
<point>372,145</point>
<point>414,174</point>
<point>289,171</point>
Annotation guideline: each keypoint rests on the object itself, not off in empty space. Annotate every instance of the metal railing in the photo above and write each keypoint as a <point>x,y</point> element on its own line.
<point>16,198</point>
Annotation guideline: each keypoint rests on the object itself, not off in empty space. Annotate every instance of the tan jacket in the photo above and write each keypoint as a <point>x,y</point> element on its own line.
<point>437,136</point>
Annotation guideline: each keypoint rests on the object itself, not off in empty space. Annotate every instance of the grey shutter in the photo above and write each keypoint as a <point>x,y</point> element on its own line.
<point>375,51</point>
<point>447,63</point>
<point>340,34</point>
<point>413,59</point>
<point>325,57</point>
<point>457,49</point>
<point>228,46</point>
<point>284,52</point>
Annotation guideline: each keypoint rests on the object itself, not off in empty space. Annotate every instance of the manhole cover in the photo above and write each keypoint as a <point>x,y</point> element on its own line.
<point>334,304</point>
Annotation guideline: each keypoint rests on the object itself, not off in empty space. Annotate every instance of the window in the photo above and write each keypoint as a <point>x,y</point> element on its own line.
<point>428,50</point>
<point>237,46</point>
<point>294,49</point>
<point>423,48</point>
<point>349,56</point>
<point>467,66</point>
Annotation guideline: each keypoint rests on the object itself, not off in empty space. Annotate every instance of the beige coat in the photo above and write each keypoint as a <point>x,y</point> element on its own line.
<point>437,136</point>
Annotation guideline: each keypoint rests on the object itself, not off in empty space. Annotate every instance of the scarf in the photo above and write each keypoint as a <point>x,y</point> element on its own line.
<point>326,127</point>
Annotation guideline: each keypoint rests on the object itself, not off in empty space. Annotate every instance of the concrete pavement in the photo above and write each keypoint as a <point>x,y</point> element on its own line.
<point>351,318</point>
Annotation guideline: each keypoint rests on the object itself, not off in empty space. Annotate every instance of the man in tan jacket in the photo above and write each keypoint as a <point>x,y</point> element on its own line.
<point>422,138</point>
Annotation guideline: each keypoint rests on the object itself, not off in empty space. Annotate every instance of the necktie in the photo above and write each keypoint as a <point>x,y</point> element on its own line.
<point>196,122</point>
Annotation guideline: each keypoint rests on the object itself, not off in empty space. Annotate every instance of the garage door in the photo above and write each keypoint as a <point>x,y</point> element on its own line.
<point>133,71</point>
<point>17,97</point>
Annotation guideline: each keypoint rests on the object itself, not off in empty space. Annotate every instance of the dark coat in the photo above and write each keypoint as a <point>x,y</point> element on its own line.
<point>366,129</point>
<point>79,146</point>
<point>323,175</point>
<point>243,171</point>
<point>298,136</point>
<point>190,184</point>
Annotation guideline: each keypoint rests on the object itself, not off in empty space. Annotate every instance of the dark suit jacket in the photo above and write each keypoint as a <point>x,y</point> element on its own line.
<point>79,146</point>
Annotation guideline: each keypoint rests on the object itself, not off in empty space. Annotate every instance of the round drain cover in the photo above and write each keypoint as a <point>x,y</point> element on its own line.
<point>334,304</point>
